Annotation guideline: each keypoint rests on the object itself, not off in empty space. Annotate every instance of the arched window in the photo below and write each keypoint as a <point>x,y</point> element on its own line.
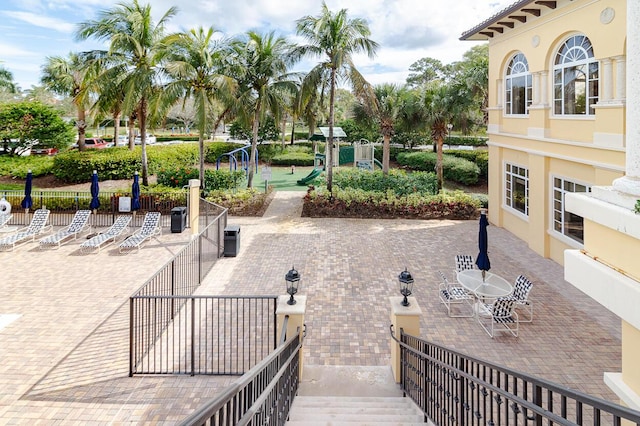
<point>575,78</point>
<point>518,91</point>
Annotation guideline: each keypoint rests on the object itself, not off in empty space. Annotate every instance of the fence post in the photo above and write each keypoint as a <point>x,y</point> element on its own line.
<point>296,320</point>
<point>407,318</point>
<point>194,205</point>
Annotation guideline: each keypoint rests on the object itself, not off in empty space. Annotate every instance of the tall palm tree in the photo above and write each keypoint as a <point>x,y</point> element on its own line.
<point>264,81</point>
<point>195,63</point>
<point>67,77</point>
<point>335,38</point>
<point>6,81</point>
<point>135,50</point>
<point>385,110</point>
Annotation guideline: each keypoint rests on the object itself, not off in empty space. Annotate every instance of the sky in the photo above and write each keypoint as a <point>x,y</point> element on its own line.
<point>406,30</point>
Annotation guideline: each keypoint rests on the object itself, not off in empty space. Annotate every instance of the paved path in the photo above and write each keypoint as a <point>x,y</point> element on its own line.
<point>64,360</point>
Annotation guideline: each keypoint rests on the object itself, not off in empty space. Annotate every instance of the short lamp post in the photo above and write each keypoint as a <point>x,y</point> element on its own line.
<point>406,285</point>
<point>293,282</point>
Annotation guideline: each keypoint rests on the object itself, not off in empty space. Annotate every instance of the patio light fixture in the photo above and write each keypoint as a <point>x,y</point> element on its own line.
<point>406,285</point>
<point>293,281</point>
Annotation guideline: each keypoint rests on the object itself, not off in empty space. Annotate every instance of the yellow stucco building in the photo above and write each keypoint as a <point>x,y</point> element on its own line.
<point>564,148</point>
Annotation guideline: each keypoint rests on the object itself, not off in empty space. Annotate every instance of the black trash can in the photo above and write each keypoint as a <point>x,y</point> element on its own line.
<point>178,219</point>
<point>231,240</point>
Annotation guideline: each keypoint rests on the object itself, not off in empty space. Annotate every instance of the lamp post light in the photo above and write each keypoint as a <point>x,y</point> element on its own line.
<point>293,281</point>
<point>406,286</point>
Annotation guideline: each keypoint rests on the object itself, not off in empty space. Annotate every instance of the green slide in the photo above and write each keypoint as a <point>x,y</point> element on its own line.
<point>314,174</point>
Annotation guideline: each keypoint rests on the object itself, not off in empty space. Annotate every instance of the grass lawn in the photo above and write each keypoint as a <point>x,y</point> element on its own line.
<point>283,180</point>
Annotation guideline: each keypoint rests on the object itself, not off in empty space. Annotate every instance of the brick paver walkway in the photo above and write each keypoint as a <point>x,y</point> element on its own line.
<point>65,359</point>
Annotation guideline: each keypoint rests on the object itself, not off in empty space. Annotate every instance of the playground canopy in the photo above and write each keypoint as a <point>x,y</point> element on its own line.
<point>337,132</point>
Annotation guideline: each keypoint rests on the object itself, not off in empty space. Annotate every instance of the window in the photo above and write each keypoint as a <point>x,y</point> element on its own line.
<point>518,90</point>
<point>575,78</point>
<point>564,222</point>
<point>517,188</point>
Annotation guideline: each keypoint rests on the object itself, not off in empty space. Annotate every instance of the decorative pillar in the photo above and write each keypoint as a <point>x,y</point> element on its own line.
<point>544,88</point>
<point>607,80</point>
<point>194,206</point>
<point>621,76</point>
<point>406,318</point>
<point>536,89</point>
<point>500,94</point>
<point>295,323</point>
<point>630,183</point>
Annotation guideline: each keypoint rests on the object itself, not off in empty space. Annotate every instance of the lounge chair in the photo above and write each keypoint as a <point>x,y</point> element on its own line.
<point>499,316</point>
<point>521,290</point>
<point>452,295</point>
<point>4,219</point>
<point>463,262</point>
<point>107,237</point>
<point>150,228</point>
<point>78,225</point>
<point>37,227</point>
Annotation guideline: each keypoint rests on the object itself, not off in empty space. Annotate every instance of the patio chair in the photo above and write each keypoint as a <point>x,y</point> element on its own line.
<point>4,219</point>
<point>463,262</point>
<point>37,227</point>
<point>150,228</point>
<point>499,316</point>
<point>107,237</point>
<point>521,290</point>
<point>78,225</point>
<point>455,296</point>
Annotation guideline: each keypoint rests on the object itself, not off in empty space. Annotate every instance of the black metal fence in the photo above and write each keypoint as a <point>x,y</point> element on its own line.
<point>63,205</point>
<point>454,388</point>
<point>263,396</point>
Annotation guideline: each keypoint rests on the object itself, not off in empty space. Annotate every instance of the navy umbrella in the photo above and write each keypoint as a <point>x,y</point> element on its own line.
<point>135,194</point>
<point>482,261</point>
<point>27,202</point>
<point>95,190</point>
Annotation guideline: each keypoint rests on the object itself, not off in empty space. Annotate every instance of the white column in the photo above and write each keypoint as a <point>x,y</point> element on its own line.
<point>544,88</point>
<point>607,80</point>
<point>536,89</point>
<point>630,183</point>
<point>500,94</point>
<point>621,76</point>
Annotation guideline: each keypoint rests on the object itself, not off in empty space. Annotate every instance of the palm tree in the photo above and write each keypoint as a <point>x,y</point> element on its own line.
<point>264,81</point>
<point>6,81</point>
<point>195,64</point>
<point>334,37</point>
<point>385,110</point>
<point>67,77</point>
<point>135,52</point>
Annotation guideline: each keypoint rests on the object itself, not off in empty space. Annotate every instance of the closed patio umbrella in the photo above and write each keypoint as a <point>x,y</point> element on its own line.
<point>135,194</point>
<point>27,202</point>
<point>95,190</point>
<point>482,261</point>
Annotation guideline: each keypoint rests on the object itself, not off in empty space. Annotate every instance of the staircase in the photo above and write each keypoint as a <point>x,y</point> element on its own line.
<point>350,395</point>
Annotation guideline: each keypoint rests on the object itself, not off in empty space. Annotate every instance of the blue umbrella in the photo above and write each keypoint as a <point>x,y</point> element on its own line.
<point>135,193</point>
<point>482,261</point>
<point>27,202</point>
<point>95,190</point>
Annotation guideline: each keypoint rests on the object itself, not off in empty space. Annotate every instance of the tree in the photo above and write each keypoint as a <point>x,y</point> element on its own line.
<point>66,77</point>
<point>263,62</point>
<point>471,77</point>
<point>24,123</point>
<point>6,81</point>
<point>195,62</point>
<point>136,46</point>
<point>425,70</point>
<point>384,110</point>
<point>334,37</point>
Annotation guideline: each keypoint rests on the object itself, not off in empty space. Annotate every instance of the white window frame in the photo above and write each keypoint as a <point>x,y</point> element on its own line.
<point>558,206</point>
<point>575,51</point>
<point>512,172</point>
<point>518,68</point>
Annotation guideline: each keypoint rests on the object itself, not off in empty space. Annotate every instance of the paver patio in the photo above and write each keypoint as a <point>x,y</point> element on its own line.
<point>65,359</point>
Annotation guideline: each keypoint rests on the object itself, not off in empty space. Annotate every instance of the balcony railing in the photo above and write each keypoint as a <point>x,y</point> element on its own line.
<point>454,388</point>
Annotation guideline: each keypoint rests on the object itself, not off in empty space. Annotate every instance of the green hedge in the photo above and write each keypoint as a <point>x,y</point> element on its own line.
<point>213,179</point>
<point>398,181</point>
<point>466,140</point>
<point>40,165</point>
<point>297,155</point>
<point>454,169</point>
<point>215,149</point>
<point>478,156</point>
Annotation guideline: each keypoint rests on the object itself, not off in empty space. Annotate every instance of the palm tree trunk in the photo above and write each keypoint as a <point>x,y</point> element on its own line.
<point>202,114</point>
<point>132,126</point>
<point>143,141</point>
<point>439,172</point>
<point>293,130</point>
<point>82,127</point>
<point>284,128</point>
<point>329,150</point>
<point>254,144</point>
<point>386,140</point>
<point>116,127</point>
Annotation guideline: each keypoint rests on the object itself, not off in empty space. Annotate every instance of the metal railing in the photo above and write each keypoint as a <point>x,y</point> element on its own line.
<point>221,335</point>
<point>63,204</point>
<point>263,395</point>
<point>454,388</point>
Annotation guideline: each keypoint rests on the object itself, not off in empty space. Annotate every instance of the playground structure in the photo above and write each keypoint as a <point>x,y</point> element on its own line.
<point>233,161</point>
<point>360,155</point>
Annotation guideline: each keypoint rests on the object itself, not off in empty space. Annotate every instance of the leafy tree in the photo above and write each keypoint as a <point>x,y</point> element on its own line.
<point>357,131</point>
<point>425,70</point>
<point>136,46</point>
<point>471,78</point>
<point>334,37</point>
<point>66,76</point>
<point>6,81</point>
<point>267,131</point>
<point>24,123</point>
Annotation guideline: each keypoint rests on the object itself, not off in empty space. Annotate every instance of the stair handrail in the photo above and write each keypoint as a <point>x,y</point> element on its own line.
<point>246,398</point>
<point>461,386</point>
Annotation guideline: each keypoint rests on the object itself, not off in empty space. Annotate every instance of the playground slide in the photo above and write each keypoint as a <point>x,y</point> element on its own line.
<point>377,163</point>
<point>314,174</point>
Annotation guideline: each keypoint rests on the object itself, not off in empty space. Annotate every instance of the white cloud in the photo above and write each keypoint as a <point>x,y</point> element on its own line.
<point>41,21</point>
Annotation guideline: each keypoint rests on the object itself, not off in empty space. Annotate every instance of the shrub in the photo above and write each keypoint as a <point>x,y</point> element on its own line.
<point>467,140</point>
<point>215,149</point>
<point>294,155</point>
<point>398,181</point>
<point>478,156</point>
<point>213,179</point>
<point>40,165</point>
<point>455,169</point>
<point>246,202</point>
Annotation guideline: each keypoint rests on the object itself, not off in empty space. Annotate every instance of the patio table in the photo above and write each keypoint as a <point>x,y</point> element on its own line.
<point>493,285</point>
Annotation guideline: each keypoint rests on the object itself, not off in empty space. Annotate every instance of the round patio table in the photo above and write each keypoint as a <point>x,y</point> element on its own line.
<point>492,286</point>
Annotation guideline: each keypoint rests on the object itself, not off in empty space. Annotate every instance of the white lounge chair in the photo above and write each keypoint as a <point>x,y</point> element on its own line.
<point>4,219</point>
<point>107,237</point>
<point>150,228</point>
<point>78,225</point>
<point>521,290</point>
<point>499,316</point>
<point>452,296</point>
<point>37,227</point>
<point>463,262</point>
